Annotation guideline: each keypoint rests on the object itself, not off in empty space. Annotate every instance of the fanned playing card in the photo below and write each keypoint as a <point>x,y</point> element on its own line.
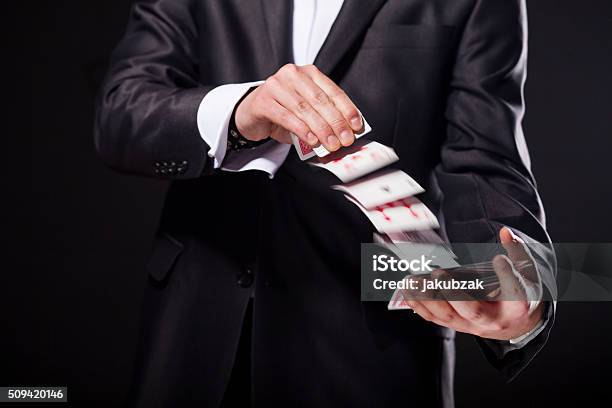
<point>407,214</point>
<point>382,187</point>
<point>362,158</point>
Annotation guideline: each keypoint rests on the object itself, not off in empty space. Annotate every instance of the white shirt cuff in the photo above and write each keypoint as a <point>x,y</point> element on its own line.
<point>214,114</point>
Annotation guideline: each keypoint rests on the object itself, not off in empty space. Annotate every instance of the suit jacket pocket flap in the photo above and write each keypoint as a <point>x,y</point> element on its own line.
<point>166,251</point>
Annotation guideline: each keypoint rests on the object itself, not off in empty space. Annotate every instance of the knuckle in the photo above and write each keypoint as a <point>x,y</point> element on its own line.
<point>497,326</point>
<point>311,68</point>
<point>480,332</point>
<point>352,112</point>
<point>338,93</point>
<point>321,129</point>
<point>301,129</point>
<point>321,98</point>
<point>523,308</point>
<point>284,116</point>
<point>476,314</point>
<point>338,123</point>
<point>288,69</point>
<point>447,317</point>
<point>302,106</point>
<point>272,81</point>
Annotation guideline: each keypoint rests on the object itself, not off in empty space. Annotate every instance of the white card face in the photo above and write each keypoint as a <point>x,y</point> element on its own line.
<point>382,187</point>
<point>305,152</point>
<point>407,214</point>
<point>321,151</point>
<point>358,160</point>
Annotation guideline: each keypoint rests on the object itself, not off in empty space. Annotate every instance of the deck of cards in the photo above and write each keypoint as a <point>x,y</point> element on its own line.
<point>385,196</point>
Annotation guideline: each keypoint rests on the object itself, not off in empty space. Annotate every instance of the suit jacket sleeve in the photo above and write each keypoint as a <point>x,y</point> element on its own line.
<point>484,173</point>
<point>146,112</point>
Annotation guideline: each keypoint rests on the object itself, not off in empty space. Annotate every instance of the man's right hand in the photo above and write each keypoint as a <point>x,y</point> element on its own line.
<point>301,100</point>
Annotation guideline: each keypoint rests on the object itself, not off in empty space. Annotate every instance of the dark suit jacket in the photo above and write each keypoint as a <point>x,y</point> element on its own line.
<point>440,81</point>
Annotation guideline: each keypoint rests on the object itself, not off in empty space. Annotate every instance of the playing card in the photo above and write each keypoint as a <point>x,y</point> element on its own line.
<point>305,152</point>
<point>422,237</point>
<point>380,188</point>
<point>355,161</point>
<point>303,149</point>
<point>407,214</point>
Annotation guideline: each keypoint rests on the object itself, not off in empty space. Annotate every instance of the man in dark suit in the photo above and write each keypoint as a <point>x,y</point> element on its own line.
<point>254,275</point>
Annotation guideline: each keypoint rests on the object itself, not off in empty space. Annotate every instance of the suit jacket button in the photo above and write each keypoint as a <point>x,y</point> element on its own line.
<point>245,278</point>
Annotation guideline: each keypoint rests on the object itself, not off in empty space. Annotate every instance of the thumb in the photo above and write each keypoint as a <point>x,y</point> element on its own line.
<point>510,282</point>
<point>280,134</point>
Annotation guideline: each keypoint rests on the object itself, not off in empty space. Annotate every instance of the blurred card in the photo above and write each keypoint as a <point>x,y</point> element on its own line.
<point>355,161</point>
<point>305,151</point>
<point>398,302</point>
<point>407,214</point>
<point>422,237</point>
<point>381,188</point>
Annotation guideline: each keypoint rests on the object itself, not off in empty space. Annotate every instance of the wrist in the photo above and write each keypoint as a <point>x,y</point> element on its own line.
<point>235,138</point>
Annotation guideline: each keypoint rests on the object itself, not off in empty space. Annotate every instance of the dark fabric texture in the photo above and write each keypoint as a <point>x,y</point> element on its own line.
<point>440,81</point>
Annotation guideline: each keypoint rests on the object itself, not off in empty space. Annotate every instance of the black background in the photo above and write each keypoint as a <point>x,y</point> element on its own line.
<point>73,288</point>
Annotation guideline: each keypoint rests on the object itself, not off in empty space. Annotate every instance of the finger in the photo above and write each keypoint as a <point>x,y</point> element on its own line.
<point>509,283</point>
<point>419,309</point>
<point>323,104</point>
<point>281,135</point>
<point>518,254</point>
<point>514,246</point>
<point>286,94</point>
<point>443,313</point>
<point>282,117</point>
<point>448,294</point>
<point>415,293</point>
<point>476,312</point>
<point>340,99</point>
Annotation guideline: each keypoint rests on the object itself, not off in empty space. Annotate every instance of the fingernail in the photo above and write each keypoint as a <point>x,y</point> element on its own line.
<point>356,122</point>
<point>333,142</point>
<point>312,139</point>
<point>346,137</point>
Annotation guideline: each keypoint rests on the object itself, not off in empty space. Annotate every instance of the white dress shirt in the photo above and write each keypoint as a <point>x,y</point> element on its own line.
<point>312,21</point>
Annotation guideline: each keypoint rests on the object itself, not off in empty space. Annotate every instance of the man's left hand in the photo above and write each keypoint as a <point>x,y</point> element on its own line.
<point>496,319</point>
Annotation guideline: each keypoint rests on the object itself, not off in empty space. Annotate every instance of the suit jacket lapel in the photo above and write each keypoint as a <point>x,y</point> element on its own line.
<point>353,19</point>
<point>278,15</point>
